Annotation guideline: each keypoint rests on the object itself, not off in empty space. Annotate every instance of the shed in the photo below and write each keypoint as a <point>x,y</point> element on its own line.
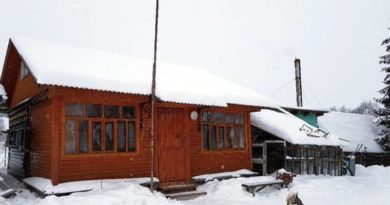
<point>282,140</point>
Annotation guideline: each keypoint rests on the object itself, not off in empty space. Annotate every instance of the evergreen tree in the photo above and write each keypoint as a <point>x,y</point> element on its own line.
<point>384,111</point>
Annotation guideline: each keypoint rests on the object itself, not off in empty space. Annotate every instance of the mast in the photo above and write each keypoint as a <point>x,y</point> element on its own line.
<point>153,100</point>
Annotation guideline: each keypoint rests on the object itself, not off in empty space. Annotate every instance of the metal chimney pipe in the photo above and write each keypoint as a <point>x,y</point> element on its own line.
<point>298,82</point>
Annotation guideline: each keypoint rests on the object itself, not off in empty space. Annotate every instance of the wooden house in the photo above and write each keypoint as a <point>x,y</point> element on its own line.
<point>282,140</point>
<point>79,114</point>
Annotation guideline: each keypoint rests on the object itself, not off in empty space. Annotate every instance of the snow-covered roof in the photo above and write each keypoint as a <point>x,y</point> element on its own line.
<point>355,128</point>
<point>64,65</point>
<point>291,129</point>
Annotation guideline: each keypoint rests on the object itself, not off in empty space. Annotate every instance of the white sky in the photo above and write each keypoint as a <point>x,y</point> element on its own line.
<point>251,42</point>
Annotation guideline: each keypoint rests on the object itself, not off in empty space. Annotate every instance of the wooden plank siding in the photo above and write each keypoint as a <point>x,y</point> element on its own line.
<point>41,140</point>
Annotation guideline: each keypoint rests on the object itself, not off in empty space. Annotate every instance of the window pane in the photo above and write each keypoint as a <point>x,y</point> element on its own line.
<point>221,137</point>
<point>128,112</point>
<point>219,117</point>
<point>121,137</point>
<point>207,117</point>
<point>70,136</point>
<point>241,133</point>
<point>239,118</point>
<point>96,136</point>
<point>131,136</point>
<point>214,138</point>
<point>229,118</point>
<point>74,110</point>
<point>206,134</point>
<point>111,111</point>
<point>236,140</point>
<point>23,71</point>
<point>109,136</point>
<point>94,110</point>
<point>83,136</point>
<point>229,137</point>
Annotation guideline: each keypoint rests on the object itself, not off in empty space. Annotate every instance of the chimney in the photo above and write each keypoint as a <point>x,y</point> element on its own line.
<point>298,81</point>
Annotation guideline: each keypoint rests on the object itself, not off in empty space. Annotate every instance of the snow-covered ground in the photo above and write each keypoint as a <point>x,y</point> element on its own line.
<point>370,186</point>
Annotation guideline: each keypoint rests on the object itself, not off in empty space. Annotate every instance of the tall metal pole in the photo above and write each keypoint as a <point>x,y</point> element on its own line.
<point>153,99</point>
<point>298,81</point>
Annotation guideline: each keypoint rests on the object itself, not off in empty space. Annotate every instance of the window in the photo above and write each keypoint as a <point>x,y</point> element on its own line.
<point>70,146</point>
<point>83,136</point>
<point>121,136</point>
<point>109,136</point>
<point>96,136</point>
<point>76,110</point>
<point>109,128</point>
<point>111,111</point>
<point>23,70</point>
<point>94,110</point>
<point>131,136</point>
<point>223,131</point>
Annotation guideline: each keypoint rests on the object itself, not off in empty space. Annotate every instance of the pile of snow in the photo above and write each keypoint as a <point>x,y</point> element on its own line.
<point>56,64</point>
<point>2,91</point>
<point>289,128</point>
<point>46,187</point>
<point>355,128</point>
<point>370,186</point>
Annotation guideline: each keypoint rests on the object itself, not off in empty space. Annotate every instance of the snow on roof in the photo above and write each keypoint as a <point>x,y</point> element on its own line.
<point>63,65</point>
<point>288,127</point>
<point>355,128</point>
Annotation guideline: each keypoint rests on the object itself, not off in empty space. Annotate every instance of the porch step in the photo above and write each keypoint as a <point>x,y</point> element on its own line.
<point>186,195</point>
<point>178,188</point>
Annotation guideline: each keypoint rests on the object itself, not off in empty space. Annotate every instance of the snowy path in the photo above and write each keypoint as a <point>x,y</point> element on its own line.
<point>370,186</point>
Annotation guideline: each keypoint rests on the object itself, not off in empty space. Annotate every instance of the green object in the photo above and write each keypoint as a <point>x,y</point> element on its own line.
<point>310,118</point>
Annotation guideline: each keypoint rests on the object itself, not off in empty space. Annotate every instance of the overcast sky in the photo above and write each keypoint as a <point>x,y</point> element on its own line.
<point>251,42</point>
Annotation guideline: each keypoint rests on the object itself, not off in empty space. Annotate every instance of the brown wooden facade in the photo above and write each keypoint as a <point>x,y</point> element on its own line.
<point>179,144</point>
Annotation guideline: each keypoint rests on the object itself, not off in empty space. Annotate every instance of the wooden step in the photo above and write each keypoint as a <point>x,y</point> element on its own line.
<point>185,195</point>
<point>177,188</point>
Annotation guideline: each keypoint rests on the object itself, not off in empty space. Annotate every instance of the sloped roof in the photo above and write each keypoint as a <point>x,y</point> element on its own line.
<point>289,128</point>
<point>355,128</point>
<point>64,65</point>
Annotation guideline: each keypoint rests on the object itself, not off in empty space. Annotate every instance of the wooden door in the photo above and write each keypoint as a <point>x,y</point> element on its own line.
<point>172,145</point>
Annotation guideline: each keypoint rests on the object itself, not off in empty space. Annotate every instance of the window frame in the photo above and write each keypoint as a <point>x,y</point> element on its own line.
<point>103,120</point>
<point>225,125</point>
